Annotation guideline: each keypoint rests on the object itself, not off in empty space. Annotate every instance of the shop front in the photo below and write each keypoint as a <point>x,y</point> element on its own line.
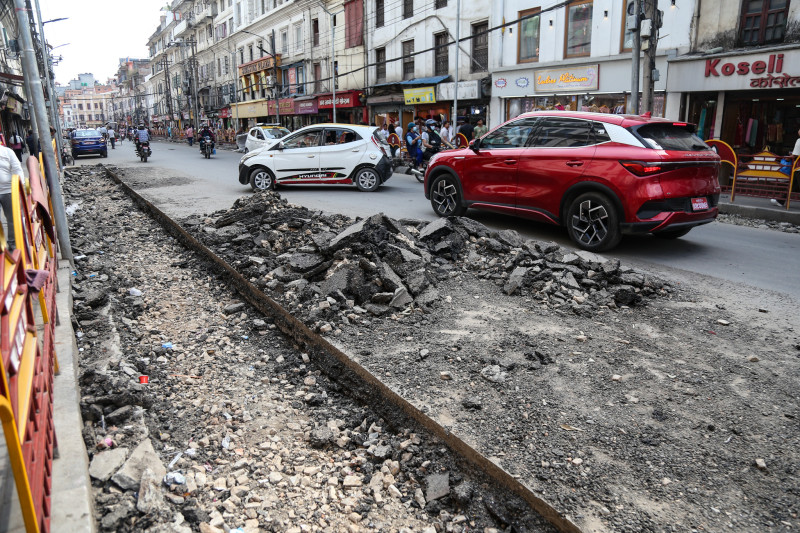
<point>600,87</point>
<point>749,100</point>
<point>472,103</point>
<point>388,109</point>
<point>307,110</point>
<point>349,108</point>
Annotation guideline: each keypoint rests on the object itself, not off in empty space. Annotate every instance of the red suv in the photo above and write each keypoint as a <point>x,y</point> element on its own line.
<point>599,175</point>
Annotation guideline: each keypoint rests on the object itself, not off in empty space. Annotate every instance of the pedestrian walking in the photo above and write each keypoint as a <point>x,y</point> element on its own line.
<point>17,143</point>
<point>190,134</point>
<point>112,136</point>
<point>31,142</point>
<point>9,165</point>
<point>479,130</point>
<point>447,133</point>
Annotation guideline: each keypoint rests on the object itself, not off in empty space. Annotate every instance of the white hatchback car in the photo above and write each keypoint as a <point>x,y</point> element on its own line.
<point>321,153</point>
<point>264,135</point>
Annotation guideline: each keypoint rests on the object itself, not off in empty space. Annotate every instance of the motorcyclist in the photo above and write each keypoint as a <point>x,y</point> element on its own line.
<point>413,142</point>
<point>431,141</point>
<point>206,132</point>
<point>142,135</point>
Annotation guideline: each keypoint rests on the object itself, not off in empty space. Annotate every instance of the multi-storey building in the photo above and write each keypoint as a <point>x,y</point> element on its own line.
<point>86,103</point>
<point>14,117</point>
<point>739,82</point>
<point>412,59</point>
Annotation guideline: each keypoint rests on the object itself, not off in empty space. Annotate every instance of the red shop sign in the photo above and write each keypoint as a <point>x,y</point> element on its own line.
<point>346,99</point>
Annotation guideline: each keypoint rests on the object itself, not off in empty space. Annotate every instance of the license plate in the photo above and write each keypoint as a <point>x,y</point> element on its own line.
<point>699,204</point>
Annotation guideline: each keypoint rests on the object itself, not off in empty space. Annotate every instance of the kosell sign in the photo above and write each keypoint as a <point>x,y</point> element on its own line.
<point>746,71</point>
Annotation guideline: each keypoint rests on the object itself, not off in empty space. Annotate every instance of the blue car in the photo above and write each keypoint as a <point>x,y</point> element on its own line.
<point>84,142</point>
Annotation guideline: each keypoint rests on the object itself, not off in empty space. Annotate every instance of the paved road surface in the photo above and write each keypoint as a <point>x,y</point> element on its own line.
<point>190,184</point>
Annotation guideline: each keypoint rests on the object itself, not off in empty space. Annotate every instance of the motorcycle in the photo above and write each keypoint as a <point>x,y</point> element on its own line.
<point>206,147</point>
<point>143,150</point>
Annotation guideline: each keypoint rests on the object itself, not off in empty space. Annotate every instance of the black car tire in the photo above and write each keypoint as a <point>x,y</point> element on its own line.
<point>446,198</point>
<point>74,156</point>
<point>367,179</point>
<point>261,179</point>
<point>593,222</point>
<point>672,233</point>
<point>104,154</point>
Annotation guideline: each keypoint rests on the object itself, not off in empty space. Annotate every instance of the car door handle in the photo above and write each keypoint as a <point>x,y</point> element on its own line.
<point>356,150</point>
<point>574,163</point>
<point>310,155</point>
<point>510,161</point>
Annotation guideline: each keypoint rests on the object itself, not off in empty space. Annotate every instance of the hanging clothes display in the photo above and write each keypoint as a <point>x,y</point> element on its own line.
<point>701,125</point>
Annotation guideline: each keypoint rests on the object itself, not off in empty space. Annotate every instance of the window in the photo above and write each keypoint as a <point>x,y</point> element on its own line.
<point>339,136</point>
<point>284,41</point>
<point>379,12</point>
<point>95,105</point>
<point>250,51</point>
<point>480,47</point>
<point>80,106</point>
<point>627,35</point>
<point>227,65</point>
<point>408,60</point>
<point>241,56</point>
<point>671,137</point>
<point>303,140</point>
<point>512,135</point>
<point>380,64</point>
<point>438,4</point>
<point>298,37</point>
<point>354,23</point>
<point>317,78</point>
<point>441,54</point>
<point>315,31</point>
<point>763,21</point>
<point>408,9</point>
<point>528,36</point>
<point>578,37</point>
<point>562,133</point>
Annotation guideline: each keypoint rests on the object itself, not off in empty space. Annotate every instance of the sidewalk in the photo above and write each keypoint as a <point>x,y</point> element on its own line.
<point>760,208</point>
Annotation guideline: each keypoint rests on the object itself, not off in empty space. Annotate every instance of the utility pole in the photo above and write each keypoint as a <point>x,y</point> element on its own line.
<point>195,81</point>
<point>333,56</point>
<point>636,52</point>
<point>652,16</point>
<point>165,65</point>
<point>36,98</point>
<point>458,38</point>
<point>47,67</point>
<point>276,90</point>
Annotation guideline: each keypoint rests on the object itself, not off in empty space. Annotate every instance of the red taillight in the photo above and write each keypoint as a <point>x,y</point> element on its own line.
<point>642,168</point>
<point>680,124</point>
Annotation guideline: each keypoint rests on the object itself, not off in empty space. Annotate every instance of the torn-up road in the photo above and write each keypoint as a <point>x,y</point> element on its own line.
<point>629,401</point>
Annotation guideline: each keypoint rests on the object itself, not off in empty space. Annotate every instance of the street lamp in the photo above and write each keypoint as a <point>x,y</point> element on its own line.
<point>54,20</point>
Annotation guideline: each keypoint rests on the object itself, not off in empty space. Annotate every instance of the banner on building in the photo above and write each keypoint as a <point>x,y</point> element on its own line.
<point>420,95</point>
<point>579,78</point>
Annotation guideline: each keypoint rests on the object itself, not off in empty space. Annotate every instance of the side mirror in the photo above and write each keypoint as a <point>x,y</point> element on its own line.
<point>475,145</point>
<point>280,145</point>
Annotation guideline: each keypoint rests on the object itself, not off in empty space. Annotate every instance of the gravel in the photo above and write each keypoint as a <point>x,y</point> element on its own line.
<point>629,402</point>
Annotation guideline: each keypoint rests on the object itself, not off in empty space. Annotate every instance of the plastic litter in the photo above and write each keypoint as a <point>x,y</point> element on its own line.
<point>108,442</point>
<point>167,345</point>
<point>134,292</point>
<point>79,257</point>
<point>191,452</point>
<point>226,442</point>
<point>174,478</point>
<point>175,460</point>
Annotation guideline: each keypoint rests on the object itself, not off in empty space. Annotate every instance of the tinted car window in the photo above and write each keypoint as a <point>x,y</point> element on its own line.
<point>87,133</point>
<point>512,135</point>
<point>340,136</point>
<point>562,133</point>
<point>303,140</point>
<point>672,137</point>
<point>275,133</point>
<point>257,134</point>
<point>599,132</point>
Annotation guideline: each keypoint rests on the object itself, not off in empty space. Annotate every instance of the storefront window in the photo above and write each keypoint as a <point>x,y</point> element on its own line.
<point>603,103</point>
<point>627,35</point>
<point>578,37</point>
<point>517,106</point>
<point>528,44</point>
<point>703,112</point>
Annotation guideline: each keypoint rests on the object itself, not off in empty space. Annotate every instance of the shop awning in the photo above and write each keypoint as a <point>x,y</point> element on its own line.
<point>430,80</point>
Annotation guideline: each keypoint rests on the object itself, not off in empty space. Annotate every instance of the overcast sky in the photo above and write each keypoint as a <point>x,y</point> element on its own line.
<point>99,32</point>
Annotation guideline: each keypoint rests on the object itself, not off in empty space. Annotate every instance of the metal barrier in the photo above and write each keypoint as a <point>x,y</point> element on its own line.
<point>28,365</point>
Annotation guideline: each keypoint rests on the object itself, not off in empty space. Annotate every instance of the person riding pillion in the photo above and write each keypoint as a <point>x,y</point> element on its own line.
<point>414,144</point>
<point>431,141</point>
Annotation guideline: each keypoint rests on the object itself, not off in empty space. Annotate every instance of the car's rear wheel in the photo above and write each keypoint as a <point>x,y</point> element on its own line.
<point>367,179</point>
<point>672,233</point>
<point>261,179</point>
<point>593,223</point>
<point>446,197</point>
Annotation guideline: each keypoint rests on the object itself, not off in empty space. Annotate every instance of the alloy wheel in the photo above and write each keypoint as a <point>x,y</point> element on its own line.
<point>590,224</point>
<point>445,197</point>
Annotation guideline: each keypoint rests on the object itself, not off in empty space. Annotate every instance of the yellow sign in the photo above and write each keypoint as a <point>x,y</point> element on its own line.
<point>585,77</point>
<point>420,95</point>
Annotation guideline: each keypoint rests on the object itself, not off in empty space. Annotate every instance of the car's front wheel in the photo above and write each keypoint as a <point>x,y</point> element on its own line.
<point>593,223</point>
<point>261,179</point>
<point>367,179</point>
<point>446,197</point>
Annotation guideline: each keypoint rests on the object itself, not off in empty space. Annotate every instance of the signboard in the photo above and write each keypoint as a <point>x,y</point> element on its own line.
<point>264,63</point>
<point>579,78</point>
<point>285,106</point>
<point>293,80</point>
<point>420,95</point>
<point>736,72</point>
<point>225,112</point>
<point>344,99</point>
<point>467,90</point>
<point>305,107</point>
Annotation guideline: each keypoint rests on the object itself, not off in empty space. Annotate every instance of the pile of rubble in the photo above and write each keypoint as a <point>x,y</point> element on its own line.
<point>330,269</point>
<point>233,429</point>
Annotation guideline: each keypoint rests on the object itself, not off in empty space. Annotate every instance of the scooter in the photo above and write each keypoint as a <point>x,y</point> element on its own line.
<point>206,146</point>
<point>143,150</point>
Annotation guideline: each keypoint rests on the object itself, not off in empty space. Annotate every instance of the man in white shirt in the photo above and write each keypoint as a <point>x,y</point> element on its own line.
<point>447,133</point>
<point>9,165</point>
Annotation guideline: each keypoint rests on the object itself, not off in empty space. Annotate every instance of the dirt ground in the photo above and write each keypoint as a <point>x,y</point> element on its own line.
<point>678,414</point>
